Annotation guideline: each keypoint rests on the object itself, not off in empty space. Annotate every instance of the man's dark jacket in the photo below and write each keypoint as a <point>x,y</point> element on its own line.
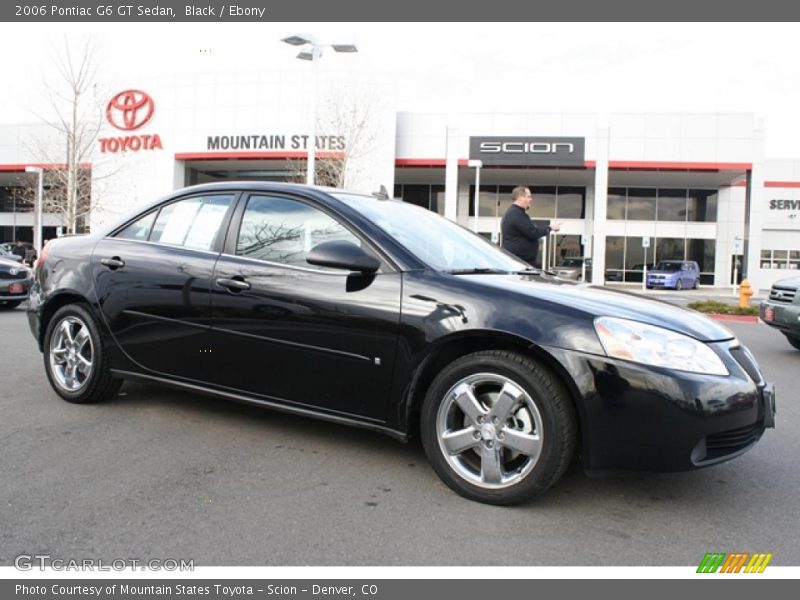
<point>520,235</point>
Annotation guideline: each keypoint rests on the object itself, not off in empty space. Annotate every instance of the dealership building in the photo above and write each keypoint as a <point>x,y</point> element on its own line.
<point>627,189</point>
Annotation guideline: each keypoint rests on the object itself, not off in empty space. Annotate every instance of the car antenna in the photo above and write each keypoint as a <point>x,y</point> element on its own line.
<point>381,194</point>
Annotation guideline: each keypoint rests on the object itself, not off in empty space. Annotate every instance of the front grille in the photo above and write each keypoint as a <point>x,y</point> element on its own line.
<point>747,362</point>
<point>7,275</point>
<point>780,293</point>
<point>728,442</point>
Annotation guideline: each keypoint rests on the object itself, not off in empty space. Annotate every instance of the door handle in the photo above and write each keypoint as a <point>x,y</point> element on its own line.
<point>234,285</point>
<point>113,263</point>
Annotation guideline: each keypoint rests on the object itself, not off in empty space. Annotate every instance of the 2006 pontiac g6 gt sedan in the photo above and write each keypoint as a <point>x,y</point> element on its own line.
<point>383,315</point>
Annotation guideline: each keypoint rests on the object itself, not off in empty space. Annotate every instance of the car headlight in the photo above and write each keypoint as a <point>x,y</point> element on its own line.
<point>656,346</point>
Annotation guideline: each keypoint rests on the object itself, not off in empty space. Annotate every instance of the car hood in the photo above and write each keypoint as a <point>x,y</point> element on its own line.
<point>603,302</point>
<point>661,272</point>
<point>791,282</point>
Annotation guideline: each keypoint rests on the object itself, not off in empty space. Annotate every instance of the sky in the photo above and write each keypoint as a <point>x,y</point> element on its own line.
<point>574,67</point>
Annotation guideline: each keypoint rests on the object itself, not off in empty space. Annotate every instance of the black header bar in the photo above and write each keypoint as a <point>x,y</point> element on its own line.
<point>85,11</point>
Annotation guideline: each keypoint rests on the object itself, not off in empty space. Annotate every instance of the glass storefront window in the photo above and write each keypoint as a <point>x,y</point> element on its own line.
<point>616,203</point>
<point>487,201</point>
<point>670,249</point>
<point>417,194</point>
<point>615,252</point>
<point>437,199</point>
<point>504,193</point>
<point>703,252</point>
<point>641,204</point>
<point>571,203</point>
<point>794,259</point>
<point>703,206</point>
<point>544,202</point>
<point>780,259</point>
<point>671,205</point>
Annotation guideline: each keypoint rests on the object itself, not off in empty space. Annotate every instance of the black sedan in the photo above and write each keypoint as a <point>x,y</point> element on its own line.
<point>15,281</point>
<point>383,315</point>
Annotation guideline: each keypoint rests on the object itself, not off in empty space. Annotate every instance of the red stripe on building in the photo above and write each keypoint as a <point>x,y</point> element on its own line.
<point>253,155</point>
<point>426,162</point>
<point>782,184</point>
<point>45,166</point>
<point>678,166</point>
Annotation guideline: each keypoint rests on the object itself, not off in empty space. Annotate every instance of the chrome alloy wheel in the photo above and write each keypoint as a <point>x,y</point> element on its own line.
<point>71,354</point>
<point>489,430</point>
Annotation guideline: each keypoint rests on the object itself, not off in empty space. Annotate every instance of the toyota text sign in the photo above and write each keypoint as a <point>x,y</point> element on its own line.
<point>528,151</point>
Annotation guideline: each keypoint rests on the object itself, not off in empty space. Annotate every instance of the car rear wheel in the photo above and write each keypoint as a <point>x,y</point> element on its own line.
<point>794,341</point>
<point>75,358</point>
<point>498,427</point>
<point>679,284</point>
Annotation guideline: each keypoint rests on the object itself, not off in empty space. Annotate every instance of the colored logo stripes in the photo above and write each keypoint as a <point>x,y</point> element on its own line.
<point>734,563</point>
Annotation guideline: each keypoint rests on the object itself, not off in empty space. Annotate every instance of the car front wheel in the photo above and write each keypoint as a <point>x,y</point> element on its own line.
<point>679,284</point>
<point>498,427</point>
<point>75,359</point>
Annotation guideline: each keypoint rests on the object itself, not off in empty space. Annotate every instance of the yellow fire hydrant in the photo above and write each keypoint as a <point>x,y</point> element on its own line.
<point>745,291</point>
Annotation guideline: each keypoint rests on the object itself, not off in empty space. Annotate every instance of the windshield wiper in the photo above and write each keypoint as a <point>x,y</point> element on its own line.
<point>529,271</point>
<point>477,270</point>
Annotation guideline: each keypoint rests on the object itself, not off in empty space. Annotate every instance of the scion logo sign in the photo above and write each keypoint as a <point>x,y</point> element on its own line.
<point>528,151</point>
<point>127,111</point>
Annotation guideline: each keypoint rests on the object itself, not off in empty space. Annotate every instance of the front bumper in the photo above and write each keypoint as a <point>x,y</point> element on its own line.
<point>653,419</point>
<point>781,315</point>
<point>14,289</point>
<point>658,282</point>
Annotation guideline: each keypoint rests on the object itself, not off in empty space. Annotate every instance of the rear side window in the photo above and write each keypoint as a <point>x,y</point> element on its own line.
<point>192,222</point>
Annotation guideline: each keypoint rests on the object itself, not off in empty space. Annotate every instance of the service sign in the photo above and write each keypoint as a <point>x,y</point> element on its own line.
<point>510,151</point>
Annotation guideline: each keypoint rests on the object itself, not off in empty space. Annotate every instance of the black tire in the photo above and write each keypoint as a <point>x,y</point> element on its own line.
<point>10,305</point>
<point>679,285</point>
<point>95,386</point>
<point>696,284</point>
<point>542,411</point>
<point>794,341</point>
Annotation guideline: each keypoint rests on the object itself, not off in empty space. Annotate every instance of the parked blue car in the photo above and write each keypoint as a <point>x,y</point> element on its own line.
<point>677,274</point>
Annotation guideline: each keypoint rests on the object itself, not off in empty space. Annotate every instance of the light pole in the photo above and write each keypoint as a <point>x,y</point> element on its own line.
<point>37,218</point>
<point>313,51</point>
<point>477,164</point>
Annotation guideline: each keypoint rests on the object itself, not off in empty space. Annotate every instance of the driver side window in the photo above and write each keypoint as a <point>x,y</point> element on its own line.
<point>281,230</point>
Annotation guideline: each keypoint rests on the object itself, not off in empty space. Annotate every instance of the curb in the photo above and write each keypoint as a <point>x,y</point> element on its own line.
<point>735,318</point>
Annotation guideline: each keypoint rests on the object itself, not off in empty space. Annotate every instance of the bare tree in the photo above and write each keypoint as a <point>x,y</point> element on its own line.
<point>347,125</point>
<point>70,137</point>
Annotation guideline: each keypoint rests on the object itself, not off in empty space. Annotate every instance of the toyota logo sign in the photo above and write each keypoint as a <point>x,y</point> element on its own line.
<point>130,110</point>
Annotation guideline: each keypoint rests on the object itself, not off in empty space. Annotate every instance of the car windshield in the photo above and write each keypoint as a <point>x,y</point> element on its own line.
<point>668,266</point>
<point>438,242</point>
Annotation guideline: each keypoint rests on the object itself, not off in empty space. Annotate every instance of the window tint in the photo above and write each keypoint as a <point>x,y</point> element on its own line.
<point>139,229</point>
<point>192,223</point>
<point>284,231</point>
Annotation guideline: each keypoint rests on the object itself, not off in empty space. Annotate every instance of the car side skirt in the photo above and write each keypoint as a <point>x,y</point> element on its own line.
<point>294,410</point>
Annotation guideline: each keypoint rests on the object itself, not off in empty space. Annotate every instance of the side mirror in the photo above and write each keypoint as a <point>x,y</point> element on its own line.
<point>341,254</point>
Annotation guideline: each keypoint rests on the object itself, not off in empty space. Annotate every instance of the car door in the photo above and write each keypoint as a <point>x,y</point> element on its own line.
<point>153,280</point>
<point>304,335</point>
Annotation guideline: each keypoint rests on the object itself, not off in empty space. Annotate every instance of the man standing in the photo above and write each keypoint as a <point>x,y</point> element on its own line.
<point>520,234</point>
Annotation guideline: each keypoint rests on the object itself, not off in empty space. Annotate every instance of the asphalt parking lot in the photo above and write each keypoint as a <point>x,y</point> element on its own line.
<point>157,473</point>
